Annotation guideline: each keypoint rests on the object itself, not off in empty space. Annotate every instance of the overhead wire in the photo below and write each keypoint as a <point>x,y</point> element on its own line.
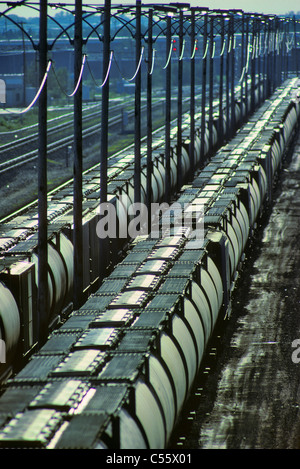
<point>242,75</point>
<point>248,57</point>
<point>258,48</point>
<point>214,50</point>
<point>23,111</point>
<point>246,67</point>
<point>78,81</point>
<point>137,69</point>
<point>194,50</point>
<point>223,48</point>
<point>182,51</point>
<point>261,53</point>
<point>254,48</point>
<point>152,63</point>
<point>80,76</point>
<point>206,49</point>
<point>169,56</point>
<point>107,72</point>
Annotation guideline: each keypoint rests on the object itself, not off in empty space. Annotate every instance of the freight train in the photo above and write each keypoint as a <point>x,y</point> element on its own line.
<point>19,236</point>
<point>121,366</point>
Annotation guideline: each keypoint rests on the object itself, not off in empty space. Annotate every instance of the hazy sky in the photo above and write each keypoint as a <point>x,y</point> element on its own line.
<point>256,6</point>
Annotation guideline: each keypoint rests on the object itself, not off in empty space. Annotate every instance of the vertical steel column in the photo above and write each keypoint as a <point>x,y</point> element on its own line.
<point>168,114</point>
<point>203,99</point>
<point>253,67</point>
<point>286,47</point>
<point>149,115</point>
<point>265,93</point>
<point>246,70</point>
<point>270,57</point>
<point>281,53</point>
<point>274,74</point>
<point>221,84</point>
<point>269,35</point>
<point>232,94</point>
<point>137,108</point>
<point>179,104</point>
<point>228,107</point>
<point>271,63</point>
<point>103,246</point>
<point>268,77</point>
<point>42,298</point>
<point>242,66</point>
<point>192,102</point>
<point>295,46</point>
<point>78,237</point>
<point>24,64</point>
<point>105,103</point>
<point>259,60</point>
<point>211,84</point>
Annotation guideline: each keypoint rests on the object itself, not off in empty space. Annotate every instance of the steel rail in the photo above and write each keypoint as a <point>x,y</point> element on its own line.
<point>57,145</point>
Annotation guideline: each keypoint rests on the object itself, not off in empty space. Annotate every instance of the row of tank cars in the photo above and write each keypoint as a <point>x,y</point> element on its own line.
<point>117,371</point>
<point>19,237</point>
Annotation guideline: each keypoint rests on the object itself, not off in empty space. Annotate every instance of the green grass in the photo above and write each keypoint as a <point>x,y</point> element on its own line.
<point>10,122</point>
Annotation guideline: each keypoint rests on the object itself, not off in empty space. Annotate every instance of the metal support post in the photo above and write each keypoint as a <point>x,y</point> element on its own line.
<point>232,94</point>
<point>228,119</point>
<point>269,59</point>
<point>78,237</point>
<point>286,48</point>
<point>259,61</point>
<point>221,84</point>
<point>192,102</point>
<point>211,85</point>
<point>253,67</point>
<point>103,243</point>
<point>295,46</point>
<point>242,66</point>
<point>149,115</point>
<point>282,53</point>
<point>246,70</point>
<point>265,93</point>
<point>168,114</point>
<point>137,109</point>
<point>179,104</point>
<point>275,57</point>
<point>203,100</point>
<point>232,83</point>
<point>42,297</point>
<point>105,103</point>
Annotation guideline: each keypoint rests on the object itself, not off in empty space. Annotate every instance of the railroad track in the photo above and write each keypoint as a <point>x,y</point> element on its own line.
<point>57,145</point>
<point>53,127</point>
<point>14,147</point>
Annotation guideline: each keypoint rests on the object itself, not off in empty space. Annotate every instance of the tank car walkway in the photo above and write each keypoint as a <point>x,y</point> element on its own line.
<point>251,397</point>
